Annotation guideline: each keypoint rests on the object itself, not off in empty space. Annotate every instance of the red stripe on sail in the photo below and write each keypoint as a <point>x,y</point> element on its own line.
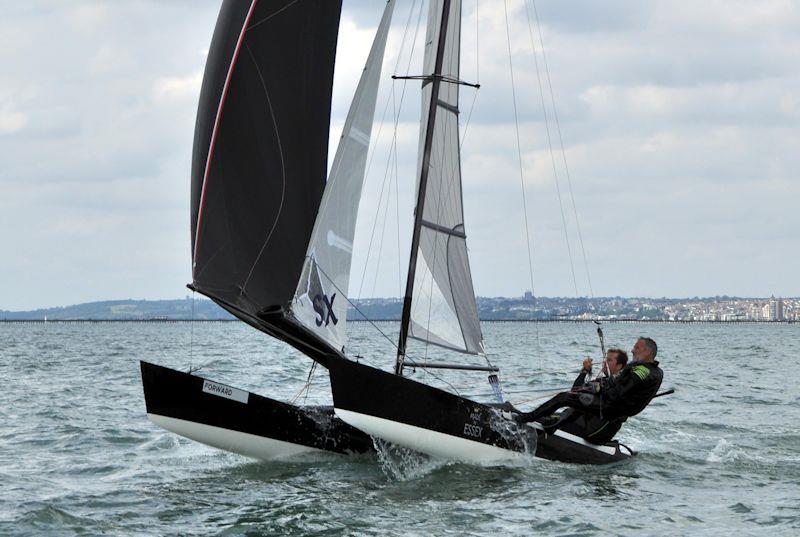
<point>214,132</point>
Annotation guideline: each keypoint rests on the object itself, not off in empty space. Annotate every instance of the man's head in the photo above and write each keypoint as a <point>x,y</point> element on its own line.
<point>645,350</point>
<point>615,360</point>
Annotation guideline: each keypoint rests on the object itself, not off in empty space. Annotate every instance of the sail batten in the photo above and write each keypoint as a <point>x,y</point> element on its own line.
<point>320,301</point>
<point>443,310</point>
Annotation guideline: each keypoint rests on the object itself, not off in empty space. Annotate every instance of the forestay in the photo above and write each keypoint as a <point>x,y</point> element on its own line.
<point>443,310</point>
<point>321,298</point>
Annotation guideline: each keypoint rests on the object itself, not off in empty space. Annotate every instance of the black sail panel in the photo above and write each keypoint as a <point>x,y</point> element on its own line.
<point>230,22</point>
<point>260,151</point>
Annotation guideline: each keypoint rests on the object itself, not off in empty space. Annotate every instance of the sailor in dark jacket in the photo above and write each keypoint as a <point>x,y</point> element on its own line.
<point>616,359</point>
<point>605,404</point>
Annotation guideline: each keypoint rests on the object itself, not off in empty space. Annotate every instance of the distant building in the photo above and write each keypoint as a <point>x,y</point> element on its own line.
<point>776,309</point>
<point>528,295</point>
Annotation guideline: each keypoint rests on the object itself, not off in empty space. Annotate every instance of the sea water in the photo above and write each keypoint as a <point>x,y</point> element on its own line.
<point>78,455</point>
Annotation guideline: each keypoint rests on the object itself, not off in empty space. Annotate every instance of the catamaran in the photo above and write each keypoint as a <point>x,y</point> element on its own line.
<point>258,175</point>
<point>272,243</point>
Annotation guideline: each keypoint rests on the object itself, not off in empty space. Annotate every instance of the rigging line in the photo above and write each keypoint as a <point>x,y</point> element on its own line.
<point>396,65</point>
<point>386,175</point>
<point>382,237</point>
<point>469,118</point>
<point>191,337</point>
<point>477,73</point>
<point>552,154</point>
<point>440,379</point>
<point>333,175</point>
<point>539,373</point>
<point>355,307</point>
<point>397,210</point>
<point>561,140</point>
<point>374,226</point>
<point>519,150</point>
<point>383,232</point>
<point>380,127</point>
<point>283,171</point>
<point>392,174</point>
<point>540,397</point>
<point>364,315</point>
<point>475,96</point>
<point>306,386</point>
<point>514,392</point>
<point>477,43</point>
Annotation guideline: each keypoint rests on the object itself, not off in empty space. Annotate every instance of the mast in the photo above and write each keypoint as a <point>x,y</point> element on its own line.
<point>435,79</point>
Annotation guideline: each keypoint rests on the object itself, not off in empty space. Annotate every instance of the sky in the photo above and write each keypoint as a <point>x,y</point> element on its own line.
<point>679,123</point>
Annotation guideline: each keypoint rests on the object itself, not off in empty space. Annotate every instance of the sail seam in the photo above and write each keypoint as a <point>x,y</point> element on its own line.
<point>283,172</point>
<point>214,132</point>
<point>268,17</point>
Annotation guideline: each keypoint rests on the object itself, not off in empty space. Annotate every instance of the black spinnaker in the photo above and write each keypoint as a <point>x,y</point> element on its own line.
<point>260,158</point>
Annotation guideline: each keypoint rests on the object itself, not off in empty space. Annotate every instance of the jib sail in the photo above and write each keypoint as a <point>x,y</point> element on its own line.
<point>321,297</point>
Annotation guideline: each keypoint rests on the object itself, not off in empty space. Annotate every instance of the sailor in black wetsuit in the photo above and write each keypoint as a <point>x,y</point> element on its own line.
<point>616,359</point>
<point>604,405</point>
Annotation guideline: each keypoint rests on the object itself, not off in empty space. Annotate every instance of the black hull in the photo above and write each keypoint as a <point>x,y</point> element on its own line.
<point>406,407</point>
<point>243,422</point>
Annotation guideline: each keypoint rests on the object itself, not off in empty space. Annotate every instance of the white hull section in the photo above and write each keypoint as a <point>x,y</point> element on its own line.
<point>249,445</point>
<point>431,443</point>
<point>578,440</point>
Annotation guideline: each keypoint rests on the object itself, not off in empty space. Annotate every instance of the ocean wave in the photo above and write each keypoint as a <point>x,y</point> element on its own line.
<point>724,452</point>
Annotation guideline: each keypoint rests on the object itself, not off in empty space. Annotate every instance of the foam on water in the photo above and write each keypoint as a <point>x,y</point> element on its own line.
<point>403,464</point>
<point>513,433</point>
<point>723,452</point>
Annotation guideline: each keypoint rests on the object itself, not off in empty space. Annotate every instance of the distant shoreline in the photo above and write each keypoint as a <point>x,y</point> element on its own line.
<point>519,309</point>
<point>624,321</point>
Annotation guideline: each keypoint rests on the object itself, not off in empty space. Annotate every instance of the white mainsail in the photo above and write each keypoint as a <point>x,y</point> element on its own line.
<point>443,310</point>
<point>320,301</point>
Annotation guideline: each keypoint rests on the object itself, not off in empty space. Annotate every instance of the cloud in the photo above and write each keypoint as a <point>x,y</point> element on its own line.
<point>11,121</point>
<point>176,88</point>
<point>679,123</point>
